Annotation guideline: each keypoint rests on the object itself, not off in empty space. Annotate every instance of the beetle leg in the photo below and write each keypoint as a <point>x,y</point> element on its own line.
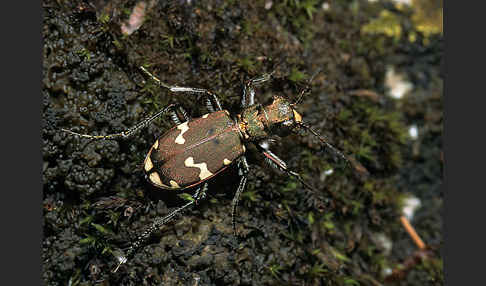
<point>200,193</point>
<point>212,98</point>
<point>126,133</point>
<point>279,164</point>
<point>179,116</point>
<point>307,88</point>
<point>243,170</point>
<point>209,105</point>
<point>323,140</point>
<point>248,97</point>
<point>159,222</point>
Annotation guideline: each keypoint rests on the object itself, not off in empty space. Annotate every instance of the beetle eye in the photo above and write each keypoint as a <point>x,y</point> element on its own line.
<point>284,128</point>
<point>287,123</point>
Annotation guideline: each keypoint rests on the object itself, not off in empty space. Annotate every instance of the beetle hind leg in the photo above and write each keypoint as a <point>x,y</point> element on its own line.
<point>243,170</point>
<point>159,222</point>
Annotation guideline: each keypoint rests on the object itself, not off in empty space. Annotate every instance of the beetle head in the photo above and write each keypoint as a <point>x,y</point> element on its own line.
<point>281,117</point>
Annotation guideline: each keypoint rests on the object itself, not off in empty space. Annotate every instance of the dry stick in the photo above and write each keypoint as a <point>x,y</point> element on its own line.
<point>411,231</point>
<point>410,262</point>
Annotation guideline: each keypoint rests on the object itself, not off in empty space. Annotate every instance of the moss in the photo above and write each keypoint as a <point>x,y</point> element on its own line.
<point>380,135</point>
<point>297,15</point>
<point>428,17</point>
<point>387,23</point>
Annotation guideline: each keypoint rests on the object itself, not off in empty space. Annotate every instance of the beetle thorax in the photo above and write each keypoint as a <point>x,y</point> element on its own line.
<point>258,122</point>
<point>251,123</point>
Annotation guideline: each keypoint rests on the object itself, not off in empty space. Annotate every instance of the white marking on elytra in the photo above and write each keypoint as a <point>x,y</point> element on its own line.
<point>156,144</point>
<point>226,162</point>
<point>243,148</point>
<point>189,162</point>
<point>183,127</point>
<point>205,115</point>
<point>174,184</point>
<point>154,178</point>
<point>148,164</point>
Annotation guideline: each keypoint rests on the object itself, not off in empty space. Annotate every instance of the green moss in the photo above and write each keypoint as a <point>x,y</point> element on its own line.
<point>435,269</point>
<point>387,24</point>
<point>350,281</point>
<point>251,195</point>
<point>104,18</point>
<point>318,270</point>
<point>428,17</point>
<point>85,54</point>
<point>186,197</point>
<point>246,64</point>
<point>296,75</point>
<point>298,15</point>
<point>275,270</point>
<point>381,135</point>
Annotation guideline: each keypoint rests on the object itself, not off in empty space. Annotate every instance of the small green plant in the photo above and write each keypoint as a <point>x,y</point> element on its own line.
<point>275,270</point>
<point>318,270</point>
<point>186,197</point>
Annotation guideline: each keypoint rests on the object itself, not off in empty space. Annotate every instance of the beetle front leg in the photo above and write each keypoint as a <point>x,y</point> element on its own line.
<point>279,164</point>
<point>159,222</point>
<point>127,133</point>
<point>212,100</point>
<point>243,170</point>
<point>248,97</point>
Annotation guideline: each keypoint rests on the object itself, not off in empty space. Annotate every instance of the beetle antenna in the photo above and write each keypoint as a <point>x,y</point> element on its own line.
<point>307,87</point>
<point>323,140</point>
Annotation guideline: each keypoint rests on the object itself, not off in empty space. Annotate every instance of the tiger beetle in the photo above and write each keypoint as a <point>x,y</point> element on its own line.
<point>197,149</point>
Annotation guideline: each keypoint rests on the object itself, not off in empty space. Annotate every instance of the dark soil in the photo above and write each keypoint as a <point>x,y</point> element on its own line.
<point>96,199</point>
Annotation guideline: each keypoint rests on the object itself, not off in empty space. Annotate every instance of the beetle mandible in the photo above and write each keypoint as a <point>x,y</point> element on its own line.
<point>197,149</point>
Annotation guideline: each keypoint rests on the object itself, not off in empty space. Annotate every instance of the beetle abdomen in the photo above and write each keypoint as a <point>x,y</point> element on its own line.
<point>194,151</point>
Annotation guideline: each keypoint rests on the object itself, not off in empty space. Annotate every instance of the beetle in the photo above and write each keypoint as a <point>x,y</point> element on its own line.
<point>197,149</point>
